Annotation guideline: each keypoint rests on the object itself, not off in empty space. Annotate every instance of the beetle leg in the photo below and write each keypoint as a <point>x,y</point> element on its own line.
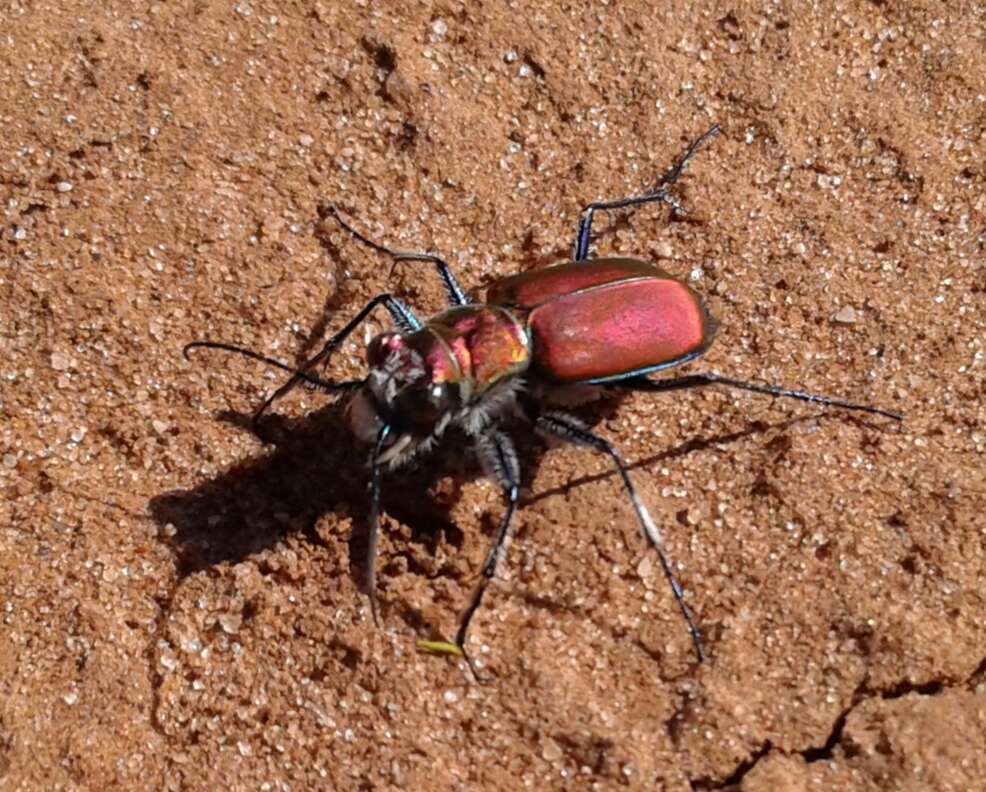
<point>454,293</point>
<point>658,195</point>
<point>371,545</point>
<point>700,380</point>
<point>499,459</point>
<point>403,317</point>
<point>568,428</point>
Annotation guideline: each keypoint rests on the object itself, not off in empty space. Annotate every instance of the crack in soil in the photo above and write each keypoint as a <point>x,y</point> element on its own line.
<point>826,751</point>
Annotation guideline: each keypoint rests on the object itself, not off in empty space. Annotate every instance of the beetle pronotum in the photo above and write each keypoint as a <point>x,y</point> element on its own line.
<point>606,322</point>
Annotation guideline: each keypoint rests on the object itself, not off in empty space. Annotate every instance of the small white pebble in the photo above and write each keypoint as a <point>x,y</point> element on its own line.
<point>846,315</point>
<point>60,362</point>
<point>439,28</point>
<point>550,750</point>
<point>230,622</point>
<point>64,186</point>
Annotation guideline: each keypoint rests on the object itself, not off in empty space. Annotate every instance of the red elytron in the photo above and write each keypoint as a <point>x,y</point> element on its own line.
<point>606,322</point>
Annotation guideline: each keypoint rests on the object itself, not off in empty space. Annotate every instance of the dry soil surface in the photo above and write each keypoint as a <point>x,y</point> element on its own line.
<point>182,600</point>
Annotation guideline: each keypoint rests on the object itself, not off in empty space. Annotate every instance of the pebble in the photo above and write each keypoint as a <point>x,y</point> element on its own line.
<point>846,315</point>
<point>60,362</point>
<point>550,750</point>
<point>230,622</point>
<point>439,28</point>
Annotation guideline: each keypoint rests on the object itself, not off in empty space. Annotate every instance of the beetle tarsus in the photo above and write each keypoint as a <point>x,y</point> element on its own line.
<point>658,194</point>
<point>676,170</point>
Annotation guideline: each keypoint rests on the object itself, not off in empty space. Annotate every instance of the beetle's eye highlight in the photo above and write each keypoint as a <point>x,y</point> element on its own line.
<point>424,405</point>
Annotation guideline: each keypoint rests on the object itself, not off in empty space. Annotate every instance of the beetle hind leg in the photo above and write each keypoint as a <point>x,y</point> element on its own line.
<point>568,428</point>
<point>659,194</point>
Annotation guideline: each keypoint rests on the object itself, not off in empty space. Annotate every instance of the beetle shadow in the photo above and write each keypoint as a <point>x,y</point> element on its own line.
<point>314,468</point>
<point>756,427</point>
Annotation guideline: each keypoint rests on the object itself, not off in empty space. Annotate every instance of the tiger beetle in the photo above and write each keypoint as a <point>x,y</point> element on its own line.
<point>540,336</point>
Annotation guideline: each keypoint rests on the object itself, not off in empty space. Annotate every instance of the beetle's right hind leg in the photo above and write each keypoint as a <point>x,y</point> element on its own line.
<point>659,194</point>
<point>453,291</point>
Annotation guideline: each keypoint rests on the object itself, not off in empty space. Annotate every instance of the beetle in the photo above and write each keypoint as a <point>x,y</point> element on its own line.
<point>598,323</point>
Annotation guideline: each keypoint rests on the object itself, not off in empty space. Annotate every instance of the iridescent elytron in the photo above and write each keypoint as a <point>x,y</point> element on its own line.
<point>541,339</point>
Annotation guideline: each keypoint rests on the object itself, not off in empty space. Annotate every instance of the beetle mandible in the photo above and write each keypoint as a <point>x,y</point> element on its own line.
<point>606,322</point>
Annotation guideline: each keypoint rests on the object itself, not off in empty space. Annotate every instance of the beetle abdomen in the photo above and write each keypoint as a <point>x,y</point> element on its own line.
<point>530,289</point>
<point>605,319</point>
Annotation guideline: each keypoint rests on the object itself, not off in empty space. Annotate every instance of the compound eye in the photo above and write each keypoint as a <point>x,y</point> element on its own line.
<point>424,406</point>
<point>382,347</point>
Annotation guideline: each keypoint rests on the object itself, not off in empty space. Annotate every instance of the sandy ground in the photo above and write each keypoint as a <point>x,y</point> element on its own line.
<point>182,601</point>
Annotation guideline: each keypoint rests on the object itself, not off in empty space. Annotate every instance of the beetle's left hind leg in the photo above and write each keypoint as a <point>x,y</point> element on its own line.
<point>567,428</point>
<point>453,291</point>
<point>499,459</point>
<point>660,194</point>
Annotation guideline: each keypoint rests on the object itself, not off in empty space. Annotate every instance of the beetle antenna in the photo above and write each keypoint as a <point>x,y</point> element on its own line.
<point>316,383</point>
<point>402,316</point>
<point>371,545</point>
<point>701,380</point>
<point>456,296</point>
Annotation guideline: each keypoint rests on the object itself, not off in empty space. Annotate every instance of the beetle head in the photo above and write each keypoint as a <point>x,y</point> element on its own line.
<point>407,388</point>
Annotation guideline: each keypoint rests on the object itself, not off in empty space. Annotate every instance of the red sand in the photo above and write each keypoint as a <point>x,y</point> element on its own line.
<point>182,604</point>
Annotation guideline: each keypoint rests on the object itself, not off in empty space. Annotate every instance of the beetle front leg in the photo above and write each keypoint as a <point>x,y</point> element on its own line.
<point>453,291</point>
<point>499,459</point>
<point>403,317</point>
<point>701,380</point>
<point>371,545</point>
<point>567,428</point>
<point>658,195</point>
